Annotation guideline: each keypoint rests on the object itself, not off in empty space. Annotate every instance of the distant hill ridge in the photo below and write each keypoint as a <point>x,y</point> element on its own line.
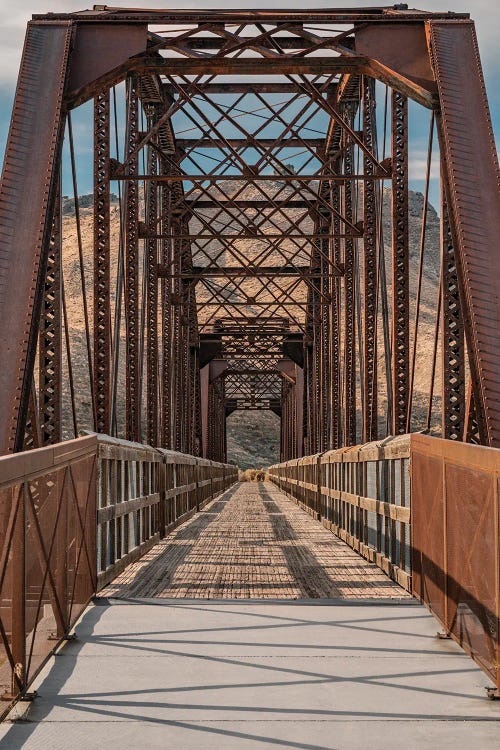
<point>253,437</point>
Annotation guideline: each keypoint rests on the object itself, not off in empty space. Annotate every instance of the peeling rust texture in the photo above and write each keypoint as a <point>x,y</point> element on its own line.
<point>470,161</point>
<point>29,170</point>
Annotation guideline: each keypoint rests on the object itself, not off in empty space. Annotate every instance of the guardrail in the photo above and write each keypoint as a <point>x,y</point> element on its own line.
<point>362,494</point>
<point>72,516</point>
<point>426,511</point>
<point>143,493</point>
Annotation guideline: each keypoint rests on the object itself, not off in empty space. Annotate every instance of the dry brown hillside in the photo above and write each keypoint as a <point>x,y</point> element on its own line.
<point>253,437</point>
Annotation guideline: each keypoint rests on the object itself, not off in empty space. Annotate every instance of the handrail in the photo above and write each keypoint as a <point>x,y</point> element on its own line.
<point>361,493</point>
<point>441,541</point>
<point>72,516</point>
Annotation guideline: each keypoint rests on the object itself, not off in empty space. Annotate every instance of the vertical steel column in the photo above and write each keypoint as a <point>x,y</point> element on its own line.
<point>453,349</point>
<point>166,317</point>
<point>324,375</point>
<point>102,301</point>
<point>335,257</point>
<point>177,346</point>
<point>370,411</point>
<point>400,264</point>
<point>349,308</point>
<point>152,294</point>
<point>132,398</point>
<point>50,337</point>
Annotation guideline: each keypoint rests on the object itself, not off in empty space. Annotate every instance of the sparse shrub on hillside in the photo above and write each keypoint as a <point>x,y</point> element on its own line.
<point>252,475</point>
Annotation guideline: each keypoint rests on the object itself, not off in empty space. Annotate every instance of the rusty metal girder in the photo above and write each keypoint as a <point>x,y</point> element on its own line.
<point>470,160</point>
<point>133,399</point>
<point>50,338</point>
<point>30,169</point>
<point>232,240</point>
<point>453,337</point>
<point>102,298</point>
<point>400,265</point>
<point>370,272</point>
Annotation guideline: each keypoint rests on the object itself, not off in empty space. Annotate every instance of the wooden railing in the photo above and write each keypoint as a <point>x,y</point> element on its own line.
<point>362,494</point>
<point>72,516</point>
<point>143,494</point>
<point>440,541</point>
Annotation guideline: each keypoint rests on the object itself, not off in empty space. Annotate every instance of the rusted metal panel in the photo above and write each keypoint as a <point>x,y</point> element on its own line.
<point>31,156</point>
<point>72,516</point>
<point>455,542</point>
<point>97,49</point>
<point>470,160</point>
<point>47,554</point>
<point>400,48</point>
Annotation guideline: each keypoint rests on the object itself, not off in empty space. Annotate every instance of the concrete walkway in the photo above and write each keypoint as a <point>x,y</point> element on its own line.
<point>247,675</point>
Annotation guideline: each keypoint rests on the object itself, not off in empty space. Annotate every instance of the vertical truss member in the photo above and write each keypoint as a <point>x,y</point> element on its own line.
<point>132,396</point>
<point>102,301</point>
<point>400,264</point>
<point>168,229</point>
<point>50,338</point>
<point>349,301</point>
<point>335,307</point>
<point>216,421</point>
<point>152,288</point>
<point>370,274</point>
<point>453,336</point>
<point>325,375</point>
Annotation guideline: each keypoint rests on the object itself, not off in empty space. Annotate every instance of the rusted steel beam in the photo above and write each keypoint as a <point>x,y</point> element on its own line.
<point>386,14</point>
<point>133,399</point>
<point>400,265</point>
<point>50,338</point>
<point>241,88</point>
<point>470,160</point>
<point>257,271</point>
<point>203,178</point>
<point>248,142</point>
<point>30,168</point>
<point>151,250</point>
<point>166,319</point>
<point>102,298</point>
<point>349,322</point>
<point>370,272</point>
<point>335,325</point>
<point>453,341</point>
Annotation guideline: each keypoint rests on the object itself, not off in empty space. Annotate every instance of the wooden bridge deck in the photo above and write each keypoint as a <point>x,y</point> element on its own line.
<point>253,543</point>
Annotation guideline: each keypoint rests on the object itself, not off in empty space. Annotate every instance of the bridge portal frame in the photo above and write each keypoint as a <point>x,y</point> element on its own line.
<point>71,58</point>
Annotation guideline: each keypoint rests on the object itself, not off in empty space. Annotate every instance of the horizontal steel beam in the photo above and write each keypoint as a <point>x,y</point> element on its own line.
<point>286,65</point>
<point>385,14</point>
<point>244,235</point>
<point>116,175</point>
<point>241,88</point>
<point>245,272</point>
<point>250,142</point>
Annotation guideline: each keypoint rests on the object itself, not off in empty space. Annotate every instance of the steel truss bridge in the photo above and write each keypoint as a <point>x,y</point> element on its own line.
<point>251,247</point>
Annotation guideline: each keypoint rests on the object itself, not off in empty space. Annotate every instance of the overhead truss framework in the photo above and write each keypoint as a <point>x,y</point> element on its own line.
<point>246,266</point>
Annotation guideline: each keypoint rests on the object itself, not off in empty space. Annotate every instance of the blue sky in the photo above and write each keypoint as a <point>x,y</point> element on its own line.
<point>13,18</point>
